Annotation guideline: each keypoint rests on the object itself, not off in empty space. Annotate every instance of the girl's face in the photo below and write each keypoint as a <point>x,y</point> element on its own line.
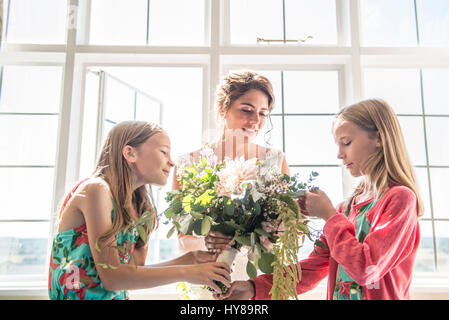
<point>355,146</point>
<point>151,160</point>
<point>248,113</point>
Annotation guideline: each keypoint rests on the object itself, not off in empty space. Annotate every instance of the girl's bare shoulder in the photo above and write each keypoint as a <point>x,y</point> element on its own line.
<point>94,189</point>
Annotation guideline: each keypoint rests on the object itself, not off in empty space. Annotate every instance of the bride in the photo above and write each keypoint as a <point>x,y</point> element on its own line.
<point>243,104</point>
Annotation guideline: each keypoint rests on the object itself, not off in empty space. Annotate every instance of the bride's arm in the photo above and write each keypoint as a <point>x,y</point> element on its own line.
<point>285,169</point>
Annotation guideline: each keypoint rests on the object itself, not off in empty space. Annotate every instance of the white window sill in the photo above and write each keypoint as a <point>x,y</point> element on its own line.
<point>422,289</point>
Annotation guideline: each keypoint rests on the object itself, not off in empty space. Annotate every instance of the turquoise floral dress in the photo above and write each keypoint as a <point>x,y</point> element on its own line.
<point>345,287</point>
<point>73,274</point>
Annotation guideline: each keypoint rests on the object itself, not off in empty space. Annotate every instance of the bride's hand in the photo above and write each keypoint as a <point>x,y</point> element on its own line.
<point>216,242</point>
<point>240,290</point>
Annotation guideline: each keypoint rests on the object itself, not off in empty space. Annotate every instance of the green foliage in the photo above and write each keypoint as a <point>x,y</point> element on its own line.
<point>251,270</point>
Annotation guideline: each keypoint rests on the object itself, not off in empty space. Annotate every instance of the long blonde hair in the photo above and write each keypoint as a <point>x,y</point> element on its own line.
<point>391,164</point>
<point>113,168</point>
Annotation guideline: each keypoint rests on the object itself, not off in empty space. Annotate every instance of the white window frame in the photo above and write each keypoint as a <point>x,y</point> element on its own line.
<point>215,58</point>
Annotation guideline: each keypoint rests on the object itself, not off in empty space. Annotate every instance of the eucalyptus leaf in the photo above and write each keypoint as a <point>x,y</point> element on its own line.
<point>262,232</point>
<point>265,261</point>
<point>234,225</point>
<point>253,240</point>
<point>205,226</point>
<point>142,233</point>
<point>246,241</point>
<point>197,227</point>
<point>257,208</point>
<point>251,270</point>
<point>229,208</point>
<point>170,232</point>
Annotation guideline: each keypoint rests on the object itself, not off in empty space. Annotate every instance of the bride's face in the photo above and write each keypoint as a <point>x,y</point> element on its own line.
<point>248,113</point>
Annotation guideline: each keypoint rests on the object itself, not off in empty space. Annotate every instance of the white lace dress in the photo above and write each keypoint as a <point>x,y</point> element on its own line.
<point>273,158</point>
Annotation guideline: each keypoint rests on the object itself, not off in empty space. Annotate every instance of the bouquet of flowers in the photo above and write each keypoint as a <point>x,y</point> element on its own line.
<point>250,201</point>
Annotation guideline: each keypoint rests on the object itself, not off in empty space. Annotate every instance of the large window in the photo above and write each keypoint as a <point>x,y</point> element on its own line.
<point>29,110</point>
<point>71,69</point>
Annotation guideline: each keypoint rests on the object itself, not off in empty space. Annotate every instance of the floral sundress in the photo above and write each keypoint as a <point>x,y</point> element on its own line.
<point>73,274</point>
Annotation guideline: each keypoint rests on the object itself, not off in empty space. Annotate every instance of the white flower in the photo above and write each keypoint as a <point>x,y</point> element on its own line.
<point>256,195</point>
<point>235,172</point>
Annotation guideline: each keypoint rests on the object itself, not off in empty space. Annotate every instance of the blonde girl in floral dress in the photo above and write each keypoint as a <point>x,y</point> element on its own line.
<point>98,253</point>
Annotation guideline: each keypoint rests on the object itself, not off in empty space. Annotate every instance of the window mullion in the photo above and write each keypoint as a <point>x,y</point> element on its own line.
<point>62,159</point>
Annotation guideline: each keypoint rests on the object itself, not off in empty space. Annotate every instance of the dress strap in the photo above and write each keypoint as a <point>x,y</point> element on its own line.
<point>69,195</point>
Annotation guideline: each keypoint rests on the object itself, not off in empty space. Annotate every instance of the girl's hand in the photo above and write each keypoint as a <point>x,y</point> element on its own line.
<point>199,256</point>
<point>302,205</point>
<point>216,242</point>
<point>240,290</point>
<point>207,273</point>
<point>317,204</point>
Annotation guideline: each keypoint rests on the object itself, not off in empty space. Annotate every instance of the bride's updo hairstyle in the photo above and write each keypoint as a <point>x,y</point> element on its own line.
<point>235,85</point>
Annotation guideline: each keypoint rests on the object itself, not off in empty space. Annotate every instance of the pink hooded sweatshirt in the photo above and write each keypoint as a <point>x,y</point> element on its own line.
<point>382,264</point>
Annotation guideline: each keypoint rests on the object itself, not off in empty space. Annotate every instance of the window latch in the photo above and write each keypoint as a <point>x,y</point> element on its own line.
<point>300,41</point>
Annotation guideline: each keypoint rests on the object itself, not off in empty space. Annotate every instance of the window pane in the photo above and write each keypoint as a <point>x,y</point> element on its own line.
<point>37,21</point>
<point>185,130</point>
<point>41,84</point>
<point>107,126</point>
<point>12,182</point>
<point>316,228</point>
<point>147,109</point>
<point>309,140</point>
<point>170,22</point>
<point>399,87</point>
<point>23,248</point>
<point>30,140</point>
<point>329,180</point>
<point>437,133</point>
<point>118,101</point>
<point>177,22</point>
<point>413,132</point>
<point>436,91</point>
<point>425,256</point>
<point>380,17</point>
<point>90,118</point>
<point>433,20</point>
<point>317,18</point>
<point>440,184</point>
<point>118,22</point>
<point>303,92</point>
<point>423,185</point>
<point>252,19</point>
<point>442,235</point>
